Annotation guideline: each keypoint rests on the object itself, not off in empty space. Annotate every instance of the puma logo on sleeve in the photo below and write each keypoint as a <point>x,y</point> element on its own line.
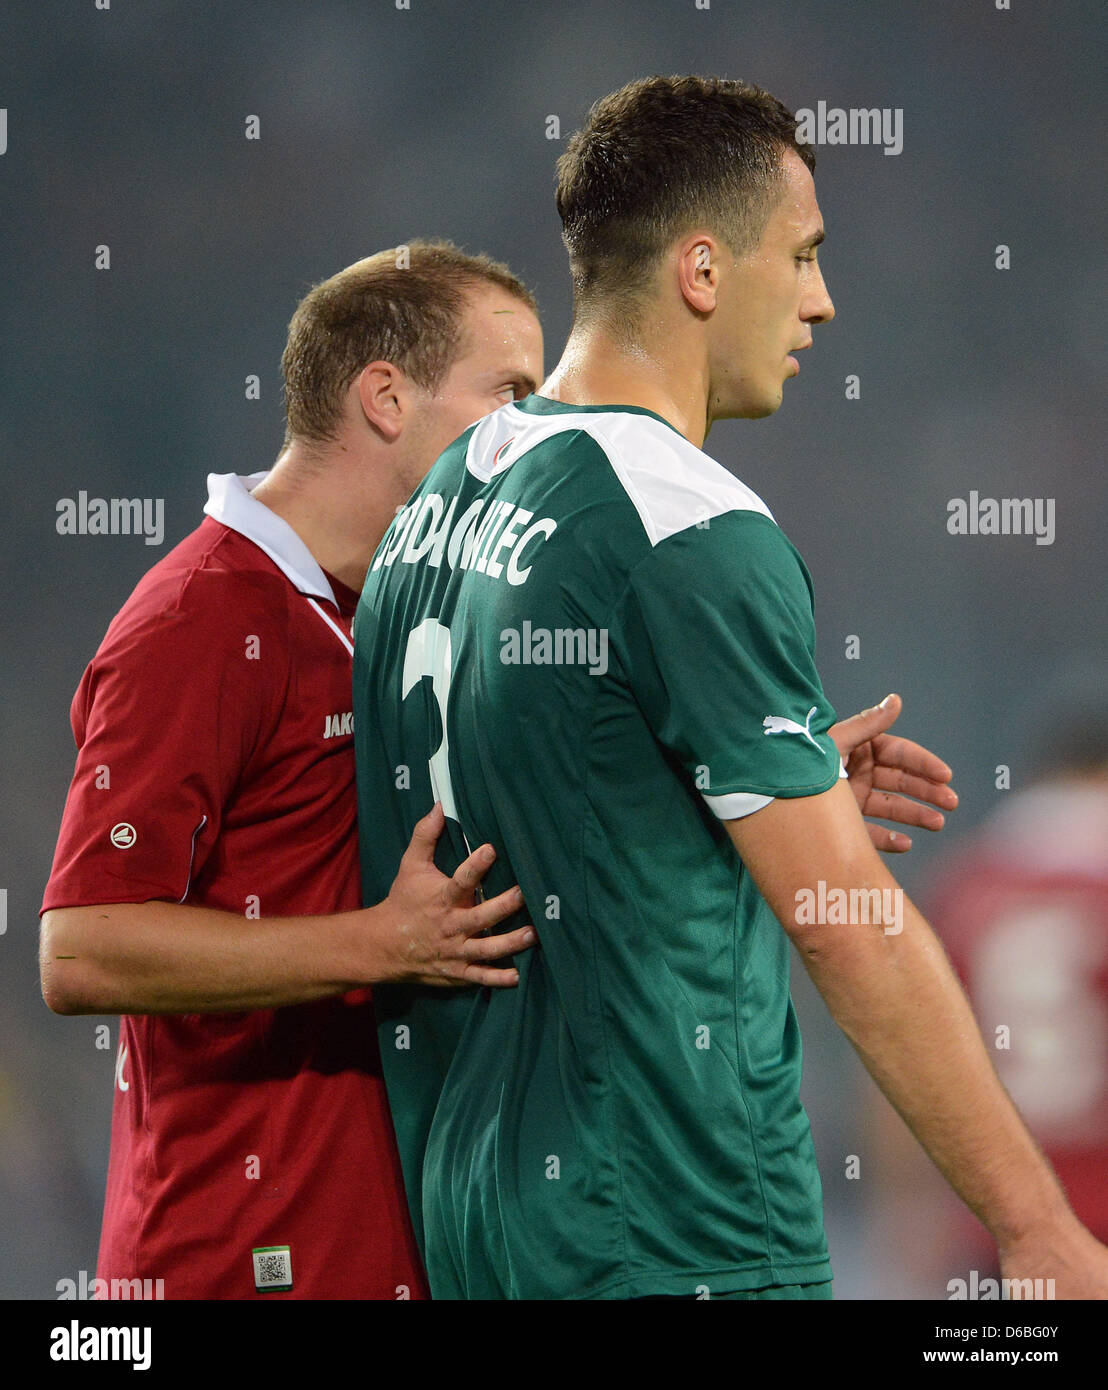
<point>776,724</point>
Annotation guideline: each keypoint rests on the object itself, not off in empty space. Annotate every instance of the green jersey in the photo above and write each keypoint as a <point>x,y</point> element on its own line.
<point>593,644</point>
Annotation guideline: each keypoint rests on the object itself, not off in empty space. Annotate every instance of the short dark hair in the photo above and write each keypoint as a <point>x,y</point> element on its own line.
<point>403,306</point>
<point>659,157</point>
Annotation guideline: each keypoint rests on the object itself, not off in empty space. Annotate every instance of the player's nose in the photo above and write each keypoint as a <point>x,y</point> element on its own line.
<point>817,306</point>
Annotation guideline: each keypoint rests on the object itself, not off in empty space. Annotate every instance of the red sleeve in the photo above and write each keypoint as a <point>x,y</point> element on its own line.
<point>185,687</point>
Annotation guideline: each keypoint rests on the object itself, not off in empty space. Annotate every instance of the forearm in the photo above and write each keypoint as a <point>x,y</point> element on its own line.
<point>897,999</point>
<point>165,958</point>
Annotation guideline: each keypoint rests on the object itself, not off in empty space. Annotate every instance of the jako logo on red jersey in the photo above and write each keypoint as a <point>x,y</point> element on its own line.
<point>337,724</point>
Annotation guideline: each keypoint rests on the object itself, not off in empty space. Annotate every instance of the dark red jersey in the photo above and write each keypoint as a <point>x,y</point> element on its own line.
<point>215,766</point>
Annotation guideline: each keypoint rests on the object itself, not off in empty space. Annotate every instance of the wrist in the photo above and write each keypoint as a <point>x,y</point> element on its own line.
<point>370,938</point>
<point>358,956</point>
<point>1041,1219</point>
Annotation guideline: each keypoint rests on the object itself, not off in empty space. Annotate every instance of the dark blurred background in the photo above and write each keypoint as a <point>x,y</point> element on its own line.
<point>126,128</point>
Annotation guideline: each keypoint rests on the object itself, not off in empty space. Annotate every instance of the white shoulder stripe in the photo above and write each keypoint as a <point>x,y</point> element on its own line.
<point>671,483</point>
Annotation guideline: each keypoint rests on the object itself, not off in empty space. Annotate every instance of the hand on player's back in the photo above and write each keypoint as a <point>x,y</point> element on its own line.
<point>436,925</point>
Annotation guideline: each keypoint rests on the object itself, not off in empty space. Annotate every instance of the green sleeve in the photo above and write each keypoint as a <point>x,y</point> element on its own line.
<point>716,636</point>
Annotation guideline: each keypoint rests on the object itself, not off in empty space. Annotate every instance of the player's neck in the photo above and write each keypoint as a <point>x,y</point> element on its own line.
<point>329,508</point>
<point>596,369</point>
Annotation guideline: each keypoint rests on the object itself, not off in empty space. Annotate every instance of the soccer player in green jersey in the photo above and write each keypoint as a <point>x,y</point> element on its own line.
<point>595,646</point>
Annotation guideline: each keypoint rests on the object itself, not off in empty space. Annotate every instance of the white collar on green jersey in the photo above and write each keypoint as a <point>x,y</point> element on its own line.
<point>669,481</point>
<point>230,502</point>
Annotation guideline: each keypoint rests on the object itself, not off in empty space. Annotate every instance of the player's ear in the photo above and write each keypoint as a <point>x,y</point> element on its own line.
<point>697,271</point>
<point>383,395</point>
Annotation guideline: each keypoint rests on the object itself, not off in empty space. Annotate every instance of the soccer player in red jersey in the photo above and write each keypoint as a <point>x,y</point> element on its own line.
<point>1023,912</point>
<point>205,884</point>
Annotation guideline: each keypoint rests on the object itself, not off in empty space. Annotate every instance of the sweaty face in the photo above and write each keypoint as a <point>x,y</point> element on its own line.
<point>769,301</point>
<point>500,361</point>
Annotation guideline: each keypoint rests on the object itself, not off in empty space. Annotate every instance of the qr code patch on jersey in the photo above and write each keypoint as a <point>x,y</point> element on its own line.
<point>272,1269</point>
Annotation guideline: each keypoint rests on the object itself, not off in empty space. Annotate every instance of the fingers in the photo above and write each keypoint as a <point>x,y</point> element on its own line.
<point>849,733</point>
<point>904,812</point>
<point>485,948</point>
<point>425,836</point>
<point>895,779</point>
<point>910,757</point>
<point>470,872</point>
<point>492,911</point>
<point>490,976</point>
<point>473,971</point>
<point>888,841</point>
<point>482,948</point>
